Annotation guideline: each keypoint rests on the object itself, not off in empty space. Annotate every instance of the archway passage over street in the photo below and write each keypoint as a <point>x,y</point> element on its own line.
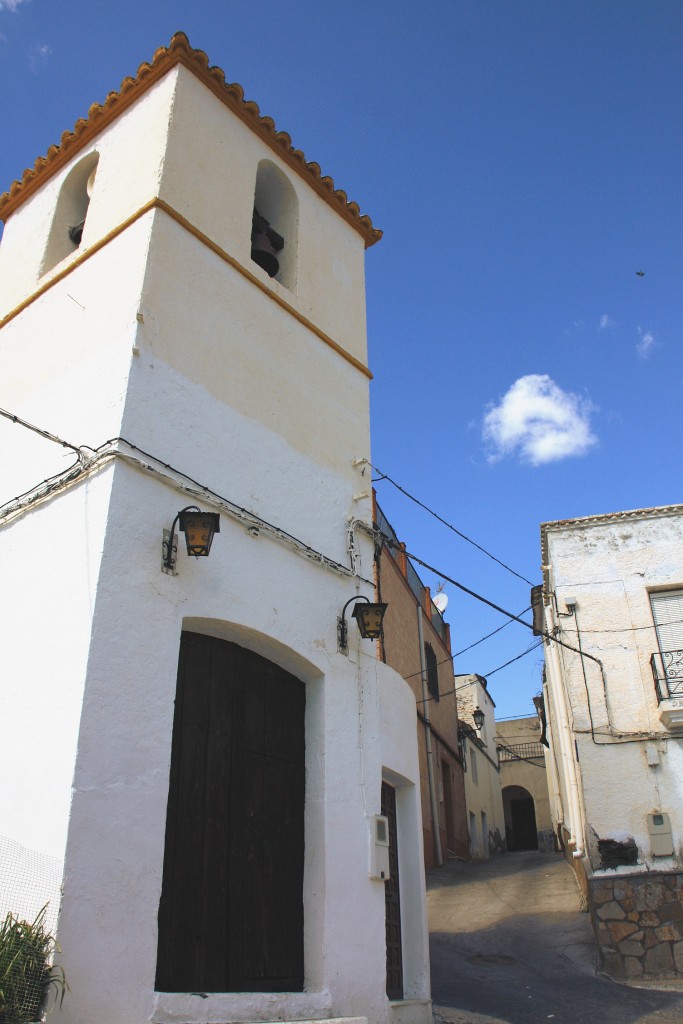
<point>520,818</point>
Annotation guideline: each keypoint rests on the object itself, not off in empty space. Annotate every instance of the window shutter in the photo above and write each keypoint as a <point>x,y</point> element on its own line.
<point>667,611</point>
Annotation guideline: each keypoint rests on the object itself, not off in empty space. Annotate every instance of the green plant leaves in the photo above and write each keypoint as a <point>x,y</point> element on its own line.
<point>26,974</point>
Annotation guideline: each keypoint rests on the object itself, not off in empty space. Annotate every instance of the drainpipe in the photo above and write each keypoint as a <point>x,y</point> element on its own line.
<point>566,743</point>
<point>428,739</point>
<point>551,767</point>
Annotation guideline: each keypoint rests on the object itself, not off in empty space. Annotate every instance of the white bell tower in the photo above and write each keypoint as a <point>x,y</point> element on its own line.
<point>183,324</point>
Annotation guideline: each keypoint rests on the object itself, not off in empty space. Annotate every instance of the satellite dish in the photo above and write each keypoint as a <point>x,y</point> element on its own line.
<point>441,601</point>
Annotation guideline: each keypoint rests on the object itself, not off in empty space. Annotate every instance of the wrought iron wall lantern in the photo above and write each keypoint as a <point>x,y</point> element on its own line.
<point>369,617</point>
<point>199,529</point>
<point>479,719</point>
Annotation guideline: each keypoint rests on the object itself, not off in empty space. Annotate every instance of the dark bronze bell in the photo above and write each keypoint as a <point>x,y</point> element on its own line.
<point>263,253</point>
<point>265,242</point>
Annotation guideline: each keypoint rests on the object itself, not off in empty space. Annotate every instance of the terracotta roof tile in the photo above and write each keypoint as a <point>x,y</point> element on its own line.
<point>179,51</point>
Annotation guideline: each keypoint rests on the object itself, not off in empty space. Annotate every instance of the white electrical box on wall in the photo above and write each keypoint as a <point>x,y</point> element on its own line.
<point>379,848</point>
<point>661,840</point>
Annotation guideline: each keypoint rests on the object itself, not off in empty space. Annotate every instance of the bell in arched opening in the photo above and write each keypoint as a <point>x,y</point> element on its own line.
<point>265,244</point>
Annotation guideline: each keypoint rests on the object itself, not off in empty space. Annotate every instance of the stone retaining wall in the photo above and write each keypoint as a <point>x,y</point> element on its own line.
<point>638,923</point>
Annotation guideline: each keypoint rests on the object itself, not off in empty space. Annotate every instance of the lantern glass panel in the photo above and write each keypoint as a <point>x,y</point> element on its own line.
<point>369,618</point>
<point>199,528</point>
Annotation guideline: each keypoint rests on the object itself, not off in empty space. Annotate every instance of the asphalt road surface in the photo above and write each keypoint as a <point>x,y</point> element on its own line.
<point>509,945</point>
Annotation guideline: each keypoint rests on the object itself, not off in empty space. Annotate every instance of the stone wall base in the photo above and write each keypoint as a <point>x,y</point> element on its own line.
<point>638,924</point>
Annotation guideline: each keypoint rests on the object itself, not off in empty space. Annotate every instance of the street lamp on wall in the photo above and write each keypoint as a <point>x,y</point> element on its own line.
<point>199,529</point>
<point>369,617</point>
<point>479,719</point>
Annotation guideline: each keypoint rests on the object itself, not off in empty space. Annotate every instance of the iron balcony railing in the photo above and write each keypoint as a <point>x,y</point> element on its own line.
<point>667,671</point>
<point>520,751</point>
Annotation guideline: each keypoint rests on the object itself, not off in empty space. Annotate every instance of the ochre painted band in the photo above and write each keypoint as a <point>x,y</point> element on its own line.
<point>160,204</point>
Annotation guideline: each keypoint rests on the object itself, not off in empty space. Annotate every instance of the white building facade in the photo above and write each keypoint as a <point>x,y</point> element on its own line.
<point>206,765</point>
<point>483,793</point>
<point>613,605</point>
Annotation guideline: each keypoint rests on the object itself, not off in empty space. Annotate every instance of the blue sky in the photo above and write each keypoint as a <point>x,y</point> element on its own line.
<point>525,160</point>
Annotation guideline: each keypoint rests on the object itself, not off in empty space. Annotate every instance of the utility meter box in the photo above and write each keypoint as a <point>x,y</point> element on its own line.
<point>379,848</point>
<point>661,840</point>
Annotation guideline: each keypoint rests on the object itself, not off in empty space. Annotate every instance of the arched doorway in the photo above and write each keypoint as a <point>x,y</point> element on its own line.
<point>231,909</point>
<point>520,819</point>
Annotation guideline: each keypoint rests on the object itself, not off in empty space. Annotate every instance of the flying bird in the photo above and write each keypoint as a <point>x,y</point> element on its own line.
<point>640,273</point>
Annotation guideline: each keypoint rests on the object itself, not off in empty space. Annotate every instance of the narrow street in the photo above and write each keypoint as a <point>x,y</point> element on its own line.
<point>509,945</point>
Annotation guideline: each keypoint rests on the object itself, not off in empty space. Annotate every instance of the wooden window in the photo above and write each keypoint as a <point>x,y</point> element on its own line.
<point>667,612</point>
<point>231,910</point>
<point>392,900</point>
<point>432,672</point>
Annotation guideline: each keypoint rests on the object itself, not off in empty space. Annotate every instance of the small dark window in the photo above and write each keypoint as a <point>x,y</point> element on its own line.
<point>432,672</point>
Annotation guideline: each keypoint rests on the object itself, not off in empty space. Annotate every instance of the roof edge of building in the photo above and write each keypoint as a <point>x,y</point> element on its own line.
<point>179,51</point>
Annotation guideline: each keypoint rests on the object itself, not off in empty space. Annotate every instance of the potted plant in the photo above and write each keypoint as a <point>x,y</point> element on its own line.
<point>26,973</point>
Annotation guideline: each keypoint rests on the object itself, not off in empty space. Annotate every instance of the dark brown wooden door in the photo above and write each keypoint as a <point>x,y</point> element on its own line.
<point>392,900</point>
<point>231,910</point>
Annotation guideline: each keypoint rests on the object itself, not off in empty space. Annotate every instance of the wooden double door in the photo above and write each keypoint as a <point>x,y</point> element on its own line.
<point>231,910</point>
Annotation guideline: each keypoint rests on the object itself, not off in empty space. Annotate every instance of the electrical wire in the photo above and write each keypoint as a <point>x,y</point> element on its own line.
<point>621,629</point>
<point>488,635</point>
<point>438,696</point>
<point>92,458</point>
<point>518,757</point>
<point>534,647</point>
<point>37,430</point>
<point>444,522</point>
<point>451,657</point>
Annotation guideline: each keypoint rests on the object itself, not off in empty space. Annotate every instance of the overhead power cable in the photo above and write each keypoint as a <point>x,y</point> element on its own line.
<point>534,647</point>
<point>452,657</point>
<point>38,430</point>
<point>518,757</point>
<point>91,458</point>
<point>491,604</point>
<point>463,536</point>
<point>493,633</point>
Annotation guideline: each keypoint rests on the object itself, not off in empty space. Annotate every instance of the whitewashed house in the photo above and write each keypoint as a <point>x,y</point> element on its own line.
<point>613,605</point>
<point>483,792</point>
<point>190,742</point>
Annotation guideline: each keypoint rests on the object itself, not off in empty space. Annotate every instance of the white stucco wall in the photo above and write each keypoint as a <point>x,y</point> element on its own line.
<point>609,566</point>
<point>159,339</point>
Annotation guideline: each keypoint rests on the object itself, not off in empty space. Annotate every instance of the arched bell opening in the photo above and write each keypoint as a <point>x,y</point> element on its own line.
<point>71,210</point>
<point>275,222</point>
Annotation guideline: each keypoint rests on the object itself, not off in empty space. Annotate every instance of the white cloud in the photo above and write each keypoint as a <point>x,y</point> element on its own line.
<point>10,5</point>
<point>38,54</point>
<point>646,344</point>
<point>605,322</point>
<point>539,422</point>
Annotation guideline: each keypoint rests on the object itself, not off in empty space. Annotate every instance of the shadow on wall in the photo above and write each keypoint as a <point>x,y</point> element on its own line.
<point>497,843</point>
